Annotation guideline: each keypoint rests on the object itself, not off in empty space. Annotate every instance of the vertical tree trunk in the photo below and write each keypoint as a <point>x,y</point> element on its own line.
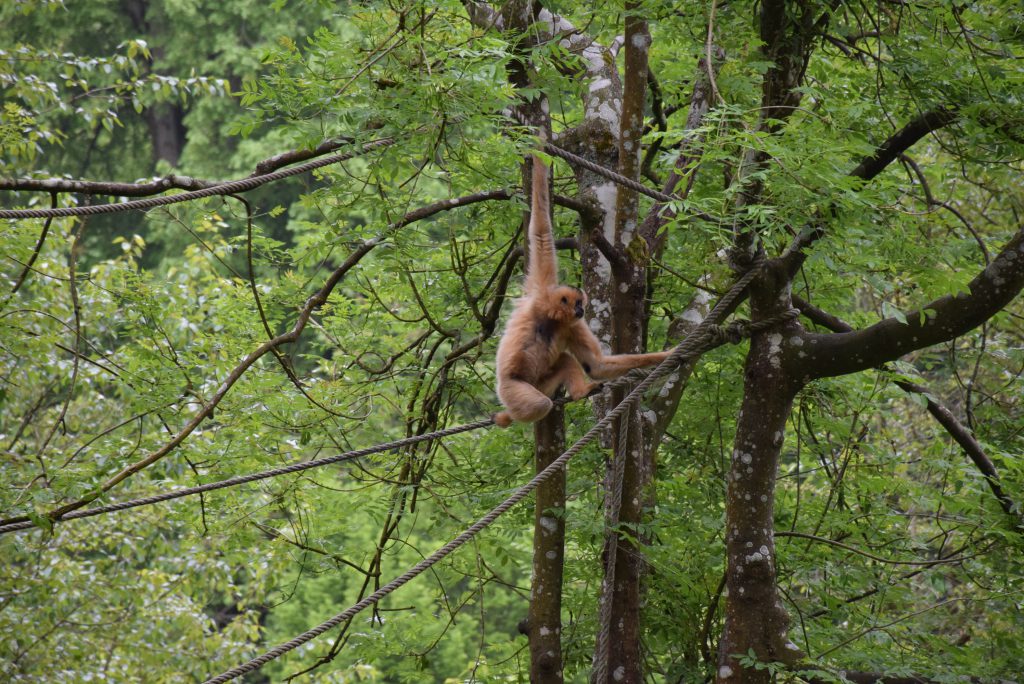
<point>166,132</point>
<point>755,619</point>
<point>632,451</point>
<point>544,624</point>
<point>166,120</point>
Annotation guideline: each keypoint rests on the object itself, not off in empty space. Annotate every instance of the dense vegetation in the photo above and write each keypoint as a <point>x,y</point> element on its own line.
<point>872,152</point>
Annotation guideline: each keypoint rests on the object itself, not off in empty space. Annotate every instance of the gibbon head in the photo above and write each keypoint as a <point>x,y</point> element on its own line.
<point>567,303</point>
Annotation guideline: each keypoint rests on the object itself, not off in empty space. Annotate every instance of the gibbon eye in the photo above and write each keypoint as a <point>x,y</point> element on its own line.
<point>564,300</point>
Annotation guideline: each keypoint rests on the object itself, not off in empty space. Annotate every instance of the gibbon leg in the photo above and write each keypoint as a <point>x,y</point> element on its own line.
<point>568,372</point>
<point>524,403</point>
<point>587,349</point>
<point>605,367</point>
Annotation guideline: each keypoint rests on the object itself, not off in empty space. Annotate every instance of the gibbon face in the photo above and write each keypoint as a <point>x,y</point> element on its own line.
<point>567,303</point>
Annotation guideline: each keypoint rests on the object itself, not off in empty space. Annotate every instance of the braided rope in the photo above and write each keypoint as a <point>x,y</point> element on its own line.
<point>694,345</point>
<point>228,188</point>
<point>614,506</point>
<point>607,173</point>
<point>717,335</point>
<point>246,184</point>
<point>242,479</point>
<point>712,335</point>
<point>568,156</point>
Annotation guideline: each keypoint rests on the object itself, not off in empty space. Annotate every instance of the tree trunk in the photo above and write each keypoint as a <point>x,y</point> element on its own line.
<point>166,132</point>
<point>631,470</point>
<point>164,120</point>
<point>755,619</point>
<point>544,624</point>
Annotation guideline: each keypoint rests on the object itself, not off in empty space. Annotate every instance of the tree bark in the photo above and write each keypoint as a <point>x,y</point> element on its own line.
<point>631,468</point>
<point>166,132</point>
<point>164,120</point>
<point>544,623</point>
<point>939,321</point>
<point>755,619</point>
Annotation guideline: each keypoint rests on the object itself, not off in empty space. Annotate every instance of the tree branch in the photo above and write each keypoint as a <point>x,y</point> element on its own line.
<point>890,150</point>
<point>957,430</point>
<point>313,302</point>
<point>939,321</point>
<point>902,140</point>
<point>170,182</point>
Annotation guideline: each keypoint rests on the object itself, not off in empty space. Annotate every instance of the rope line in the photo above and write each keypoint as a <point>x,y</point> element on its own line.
<point>246,184</point>
<point>568,156</point>
<point>608,173</point>
<point>612,509</point>
<point>242,479</point>
<point>701,340</point>
<point>228,188</point>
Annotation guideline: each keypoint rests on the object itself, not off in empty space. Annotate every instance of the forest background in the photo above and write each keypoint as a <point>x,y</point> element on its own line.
<point>836,497</point>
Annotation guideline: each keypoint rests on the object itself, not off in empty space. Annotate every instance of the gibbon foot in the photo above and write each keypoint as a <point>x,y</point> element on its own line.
<point>588,390</point>
<point>502,419</point>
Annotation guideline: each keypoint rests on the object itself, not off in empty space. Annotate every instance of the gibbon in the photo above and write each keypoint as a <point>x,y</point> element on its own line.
<point>546,343</point>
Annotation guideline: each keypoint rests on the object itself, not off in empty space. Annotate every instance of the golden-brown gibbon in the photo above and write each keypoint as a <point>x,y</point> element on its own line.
<point>546,343</point>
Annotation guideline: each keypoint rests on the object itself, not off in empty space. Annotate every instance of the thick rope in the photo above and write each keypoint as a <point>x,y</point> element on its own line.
<point>607,173</point>
<point>229,188</point>
<point>717,334</point>
<point>242,479</point>
<point>694,345</point>
<point>613,507</point>
<point>568,156</point>
<point>246,184</point>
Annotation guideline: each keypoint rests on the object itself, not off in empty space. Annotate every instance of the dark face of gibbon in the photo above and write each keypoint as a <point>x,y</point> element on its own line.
<point>567,303</point>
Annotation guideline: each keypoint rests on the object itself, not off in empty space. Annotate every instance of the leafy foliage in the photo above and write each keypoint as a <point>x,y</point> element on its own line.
<point>125,328</point>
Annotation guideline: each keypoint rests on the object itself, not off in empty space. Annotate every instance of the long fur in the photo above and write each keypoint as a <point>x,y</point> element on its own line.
<point>546,343</point>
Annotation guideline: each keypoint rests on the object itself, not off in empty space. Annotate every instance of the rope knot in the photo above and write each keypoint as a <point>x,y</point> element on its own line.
<point>772,321</point>
<point>720,334</point>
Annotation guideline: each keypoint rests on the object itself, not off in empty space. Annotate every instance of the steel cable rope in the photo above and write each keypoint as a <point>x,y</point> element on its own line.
<point>706,336</point>
<point>228,188</point>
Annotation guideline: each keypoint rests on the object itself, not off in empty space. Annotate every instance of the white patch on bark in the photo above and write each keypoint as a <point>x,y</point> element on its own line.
<point>775,350</point>
<point>724,672</point>
<point>693,315</point>
<point>557,24</point>
<point>640,40</point>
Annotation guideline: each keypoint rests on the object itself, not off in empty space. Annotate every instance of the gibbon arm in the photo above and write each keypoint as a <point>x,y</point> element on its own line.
<point>542,269</point>
<point>587,350</point>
